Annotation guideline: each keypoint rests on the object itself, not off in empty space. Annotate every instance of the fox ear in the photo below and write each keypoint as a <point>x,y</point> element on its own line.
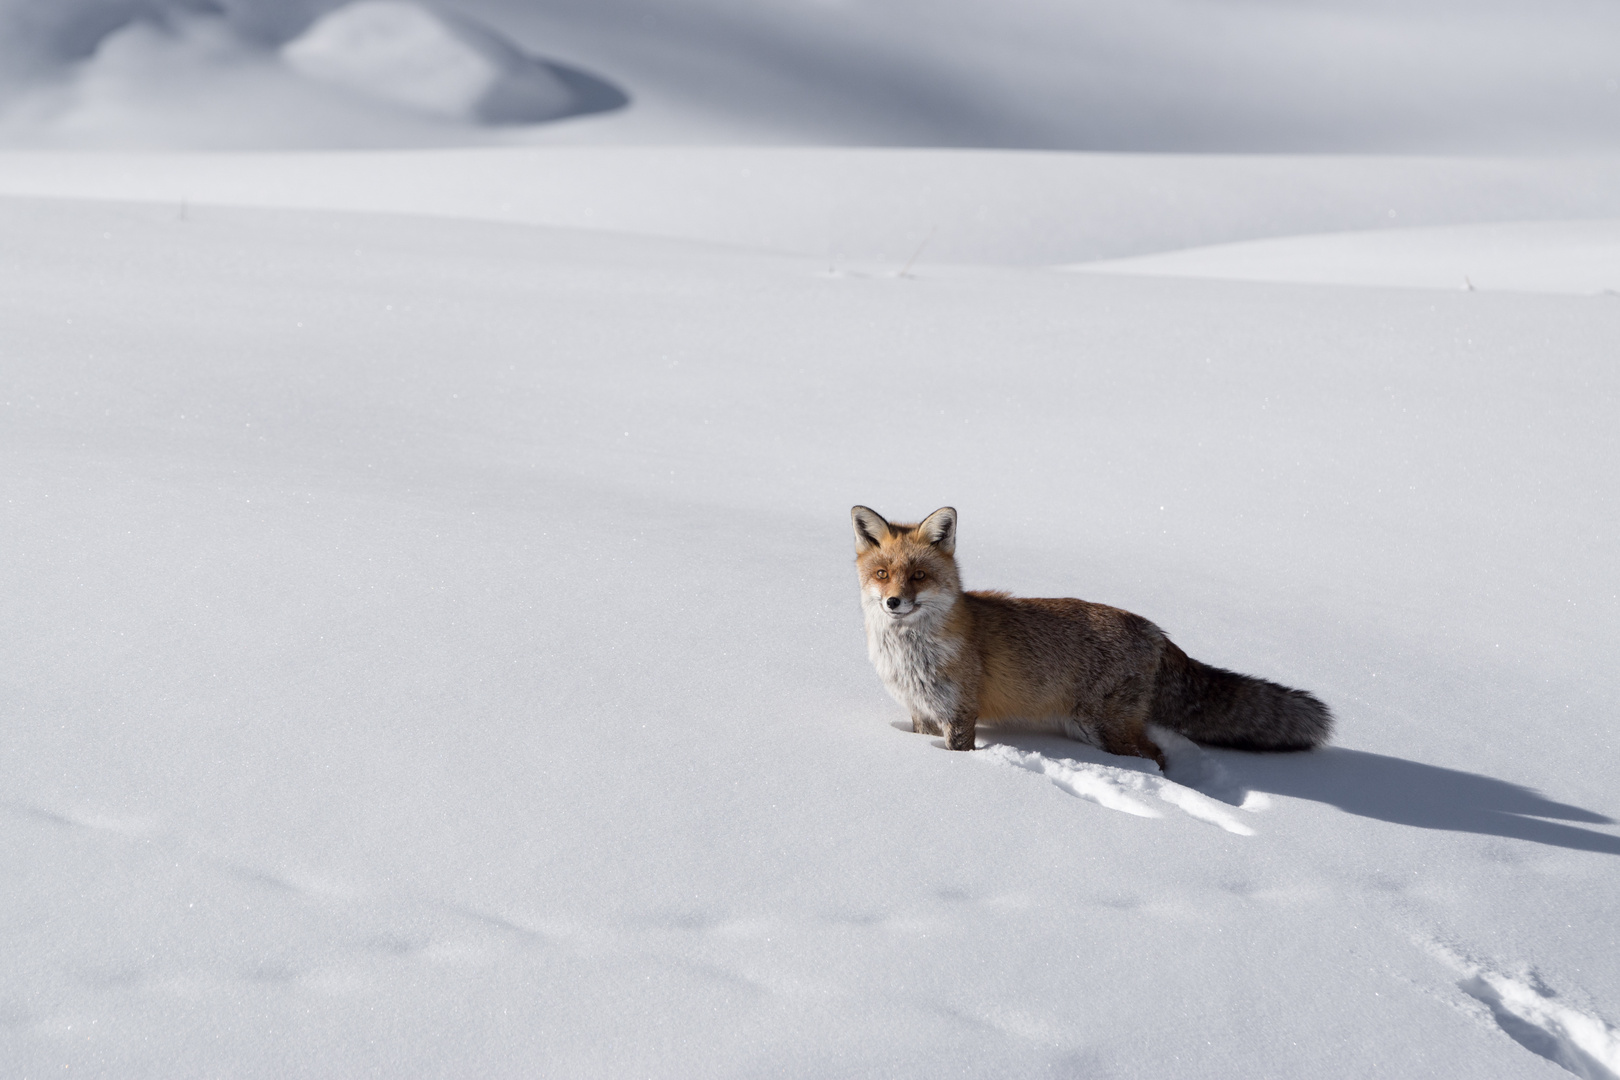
<point>939,529</point>
<point>870,528</point>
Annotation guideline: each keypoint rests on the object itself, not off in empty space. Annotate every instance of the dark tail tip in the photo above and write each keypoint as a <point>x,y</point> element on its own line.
<point>1307,721</point>
<point>1223,708</point>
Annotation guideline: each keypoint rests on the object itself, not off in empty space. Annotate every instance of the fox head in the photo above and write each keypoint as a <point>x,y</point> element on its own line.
<point>906,571</point>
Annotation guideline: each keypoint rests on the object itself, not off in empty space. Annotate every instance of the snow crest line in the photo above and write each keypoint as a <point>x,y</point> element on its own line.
<point>1117,788</point>
<point>1528,1012</point>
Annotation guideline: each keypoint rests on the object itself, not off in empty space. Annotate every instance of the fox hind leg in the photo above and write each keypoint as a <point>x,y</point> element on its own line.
<point>1128,743</point>
<point>1123,729</point>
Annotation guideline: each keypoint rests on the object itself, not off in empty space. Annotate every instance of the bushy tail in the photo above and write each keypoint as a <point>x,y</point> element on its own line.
<point>1222,708</point>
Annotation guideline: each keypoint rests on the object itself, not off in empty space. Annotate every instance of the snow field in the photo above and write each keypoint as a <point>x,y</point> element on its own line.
<point>432,647</point>
<point>429,642</point>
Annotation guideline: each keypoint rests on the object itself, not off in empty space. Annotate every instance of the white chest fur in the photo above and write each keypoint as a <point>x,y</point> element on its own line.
<point>911,657</point>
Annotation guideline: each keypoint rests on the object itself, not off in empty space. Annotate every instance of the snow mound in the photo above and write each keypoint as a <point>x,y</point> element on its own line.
<point>443,64</point>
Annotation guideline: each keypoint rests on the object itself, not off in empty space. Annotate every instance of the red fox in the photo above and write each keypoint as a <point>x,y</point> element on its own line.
<point>1094,672</point>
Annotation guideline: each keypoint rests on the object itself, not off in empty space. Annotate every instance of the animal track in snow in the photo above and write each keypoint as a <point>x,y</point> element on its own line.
<point>1530,1014</point>
<point>1204,790</point>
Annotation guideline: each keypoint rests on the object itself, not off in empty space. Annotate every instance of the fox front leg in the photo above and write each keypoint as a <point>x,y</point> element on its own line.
<point>959,733</point>
<point>922,725</point>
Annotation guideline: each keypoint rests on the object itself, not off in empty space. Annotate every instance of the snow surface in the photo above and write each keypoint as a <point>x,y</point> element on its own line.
<point>431,643</point>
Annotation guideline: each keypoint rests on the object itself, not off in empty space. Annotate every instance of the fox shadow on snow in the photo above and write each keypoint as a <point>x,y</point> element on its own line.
<point>1376,786</point>
<point>1424,796</point>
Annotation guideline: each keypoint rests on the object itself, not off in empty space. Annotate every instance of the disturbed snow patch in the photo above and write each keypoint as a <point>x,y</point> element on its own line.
<point>1124,788</point>
<point>1528,1012</point>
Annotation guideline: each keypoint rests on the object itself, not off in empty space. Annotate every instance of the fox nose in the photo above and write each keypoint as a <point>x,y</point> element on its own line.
<point>894,603</point>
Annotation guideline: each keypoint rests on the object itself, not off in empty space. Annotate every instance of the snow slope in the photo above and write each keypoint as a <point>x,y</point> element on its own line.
<point>872,206</point>
<point>1436,76</point>
<point>431,648</point>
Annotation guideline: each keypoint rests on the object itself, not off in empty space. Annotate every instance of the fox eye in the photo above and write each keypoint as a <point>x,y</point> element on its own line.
<point>918,576</point>
<point>881,575</point>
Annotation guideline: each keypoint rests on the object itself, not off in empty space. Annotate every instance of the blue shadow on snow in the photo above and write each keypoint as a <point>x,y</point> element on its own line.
<point>1423,796</point>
